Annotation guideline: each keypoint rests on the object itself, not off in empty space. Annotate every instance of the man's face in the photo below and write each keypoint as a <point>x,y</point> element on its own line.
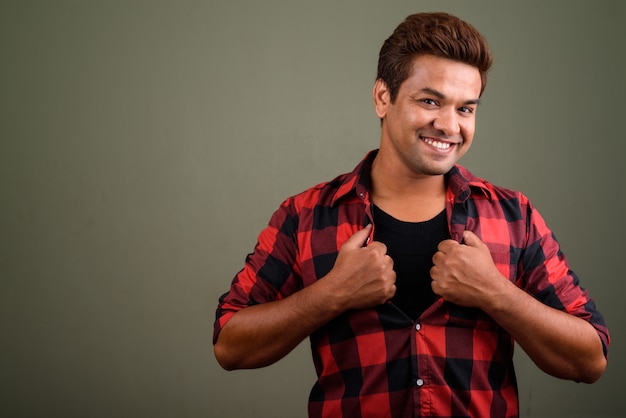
<point>431,123</point>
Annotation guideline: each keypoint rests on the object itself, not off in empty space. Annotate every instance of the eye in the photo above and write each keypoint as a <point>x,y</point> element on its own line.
<point>430,102</point>
<point>466,109</point>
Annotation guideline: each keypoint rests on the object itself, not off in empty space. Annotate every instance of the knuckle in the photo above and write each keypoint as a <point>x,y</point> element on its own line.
<point>379,247</point>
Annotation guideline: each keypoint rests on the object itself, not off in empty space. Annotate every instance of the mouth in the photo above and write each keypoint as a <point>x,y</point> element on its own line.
<point>438,144</point>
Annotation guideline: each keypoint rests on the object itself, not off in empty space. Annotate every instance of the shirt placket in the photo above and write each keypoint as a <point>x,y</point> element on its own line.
<point>423,356</point>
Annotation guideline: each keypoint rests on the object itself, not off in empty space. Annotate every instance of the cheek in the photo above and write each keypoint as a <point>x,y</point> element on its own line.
<point>406,123</point>
<point>467,131</point>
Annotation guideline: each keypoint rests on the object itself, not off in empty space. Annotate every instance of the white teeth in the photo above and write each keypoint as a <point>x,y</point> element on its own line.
<point>437,144</point>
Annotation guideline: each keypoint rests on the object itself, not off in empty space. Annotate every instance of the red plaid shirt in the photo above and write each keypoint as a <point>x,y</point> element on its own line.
<point>451,362</point>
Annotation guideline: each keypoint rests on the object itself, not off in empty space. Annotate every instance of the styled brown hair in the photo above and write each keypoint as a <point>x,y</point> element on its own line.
<point>438,34</point>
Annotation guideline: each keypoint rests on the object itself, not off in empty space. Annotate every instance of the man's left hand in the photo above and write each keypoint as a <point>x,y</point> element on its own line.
<point>465,274</point>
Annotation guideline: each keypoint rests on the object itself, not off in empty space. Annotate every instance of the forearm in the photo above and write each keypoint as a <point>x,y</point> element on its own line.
<point>560,344</point>
<point>260,335</point>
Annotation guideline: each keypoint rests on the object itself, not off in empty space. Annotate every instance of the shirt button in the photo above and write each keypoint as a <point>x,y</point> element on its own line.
<point>419,382</point>
<point>418,327</point>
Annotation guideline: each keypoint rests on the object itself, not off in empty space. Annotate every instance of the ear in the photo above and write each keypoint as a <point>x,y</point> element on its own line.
<point>381,98</point>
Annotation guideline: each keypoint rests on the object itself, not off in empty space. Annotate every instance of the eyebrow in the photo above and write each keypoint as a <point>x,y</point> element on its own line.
<point>442,96</point>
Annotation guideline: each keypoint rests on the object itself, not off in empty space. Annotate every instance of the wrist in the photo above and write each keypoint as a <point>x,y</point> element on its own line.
<point>332,294</point>
<point>503,293</point>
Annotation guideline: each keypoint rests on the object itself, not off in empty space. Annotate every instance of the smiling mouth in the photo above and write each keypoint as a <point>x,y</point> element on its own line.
<point>437,144</point>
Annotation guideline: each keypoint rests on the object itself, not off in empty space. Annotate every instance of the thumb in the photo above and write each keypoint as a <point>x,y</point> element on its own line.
<point>358,239</point>
<point>471,239</point>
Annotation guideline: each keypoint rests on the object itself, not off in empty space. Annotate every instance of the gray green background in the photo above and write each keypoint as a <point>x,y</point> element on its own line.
<point>144,144</point>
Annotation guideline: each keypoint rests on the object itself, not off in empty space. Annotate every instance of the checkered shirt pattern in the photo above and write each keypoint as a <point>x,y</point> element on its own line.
<point>453,361</point>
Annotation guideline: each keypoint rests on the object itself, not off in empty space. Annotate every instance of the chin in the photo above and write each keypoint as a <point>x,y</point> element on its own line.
<point>435,170</point>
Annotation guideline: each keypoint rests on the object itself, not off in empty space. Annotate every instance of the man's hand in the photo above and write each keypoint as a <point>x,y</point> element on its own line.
<point>261,334</point>
<point>362,276</point>
<point>561,344</point>
<point>465,274</point>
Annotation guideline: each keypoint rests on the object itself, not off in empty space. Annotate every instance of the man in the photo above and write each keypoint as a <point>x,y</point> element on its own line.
<point>411,276</point>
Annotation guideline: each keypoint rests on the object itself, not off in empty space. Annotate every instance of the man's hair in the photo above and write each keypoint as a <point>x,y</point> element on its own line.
<point>438,34</point>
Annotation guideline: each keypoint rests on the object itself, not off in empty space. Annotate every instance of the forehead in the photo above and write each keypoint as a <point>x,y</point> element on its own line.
<point>450,77</point>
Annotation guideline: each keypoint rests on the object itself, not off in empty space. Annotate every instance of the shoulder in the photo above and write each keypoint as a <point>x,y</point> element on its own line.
<point>488,190</point>
<point>344,186</point>
<point>319,195</point>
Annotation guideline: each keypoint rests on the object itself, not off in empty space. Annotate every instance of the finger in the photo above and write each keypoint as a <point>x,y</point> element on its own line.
<point>437,257</point>
<point>433,273</point>
<point>445,245</point>
<point>471,239</point>
<point>436,288</point>
<point>358,239</point>
<point>379,247</point>
<point>394,289</point>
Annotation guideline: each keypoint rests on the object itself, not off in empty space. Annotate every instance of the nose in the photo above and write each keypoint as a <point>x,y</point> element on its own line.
<point>447,121</point>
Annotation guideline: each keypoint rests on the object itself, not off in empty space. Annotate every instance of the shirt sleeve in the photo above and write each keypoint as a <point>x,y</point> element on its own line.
<point>270,272</point>
<point>547,276</point>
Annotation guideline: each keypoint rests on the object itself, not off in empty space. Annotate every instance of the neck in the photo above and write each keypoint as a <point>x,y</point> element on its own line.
<point>407,196</point>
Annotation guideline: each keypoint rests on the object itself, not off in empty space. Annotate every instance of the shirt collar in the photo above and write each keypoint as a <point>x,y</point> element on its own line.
<point>358,181</point>
<point>459,179</point>
<point>461,182</point>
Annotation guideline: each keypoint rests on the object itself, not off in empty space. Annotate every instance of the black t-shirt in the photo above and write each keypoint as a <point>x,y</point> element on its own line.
<point>411,245</point>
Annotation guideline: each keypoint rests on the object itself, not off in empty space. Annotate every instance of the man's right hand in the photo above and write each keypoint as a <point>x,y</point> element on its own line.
<point>362,276</point>
<point>261,334</point>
